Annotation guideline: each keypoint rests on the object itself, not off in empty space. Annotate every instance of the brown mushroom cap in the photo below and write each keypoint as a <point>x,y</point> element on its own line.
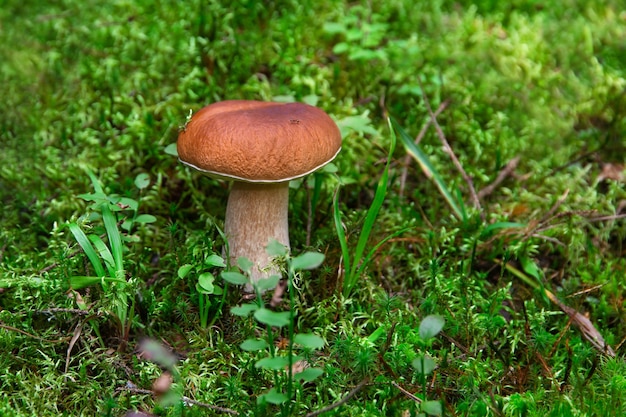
<point>257,141</point>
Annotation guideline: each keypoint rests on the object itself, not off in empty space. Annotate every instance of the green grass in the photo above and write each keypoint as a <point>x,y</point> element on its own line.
<point>87,278</point>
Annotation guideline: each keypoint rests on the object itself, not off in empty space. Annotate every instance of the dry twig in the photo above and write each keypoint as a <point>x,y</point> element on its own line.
<point>449,151</point>
<point>186,400</point>
<point>502,175</point>
<point>77,332</point>
<point>341,401</point>
<point>15,329</point>
<point>418,139</point>
<point>407,393</point>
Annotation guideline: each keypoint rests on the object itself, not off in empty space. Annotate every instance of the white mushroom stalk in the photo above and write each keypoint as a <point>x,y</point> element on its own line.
<point>256,214</point>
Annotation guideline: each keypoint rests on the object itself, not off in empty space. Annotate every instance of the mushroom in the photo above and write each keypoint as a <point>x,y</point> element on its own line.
<point>261,146</point>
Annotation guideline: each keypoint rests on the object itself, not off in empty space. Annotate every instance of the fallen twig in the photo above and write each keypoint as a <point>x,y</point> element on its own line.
<point>502,175</point>
<point>77,332</point>
<point>341,401</point>
<point>186,400</point>
<point>449,151</point>
<point>407,393</point>
<point>15,329</point>
<point>75,311</point>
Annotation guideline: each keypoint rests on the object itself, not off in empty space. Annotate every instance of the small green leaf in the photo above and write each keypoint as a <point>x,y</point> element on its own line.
<point>309,374</point>
<point>125,201</point>
<point>424,364</point>
<point>234,277</point>
<point>432,408</point>
<point>184,270</point>
<point>431,326</point>
<point>309,340</point>
<point>244,310</point>
<point>205,280</point>
<point>202,290</point>
<point>276,363</point>
<point>360,124</point>
<point>245,264</point>
<point>145,218</point>
<point>272,397</point>
<point>268,283</point>
<point>329,168</point>
<point>340,48</point>
<point>98,197</point>
<point>127,224</point>
<point>215,260</point>
<point>275,248</point>
<point>530,267</point>
<point>142,181</point>
<point>272,318</point>
<point>308,260</point>
<point>334,28</point>
<point>171,149</point>
<point>252,345</point>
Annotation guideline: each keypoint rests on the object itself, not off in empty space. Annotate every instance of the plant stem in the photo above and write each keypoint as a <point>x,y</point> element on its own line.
<point>290,288</point>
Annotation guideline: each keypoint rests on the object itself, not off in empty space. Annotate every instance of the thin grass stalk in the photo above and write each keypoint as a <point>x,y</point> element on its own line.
<point>104,253</point>
<point>371,253</point>
<point>292,303</point>
<point>343,241</point>
<point>354,267</point>
<point>429,170</point>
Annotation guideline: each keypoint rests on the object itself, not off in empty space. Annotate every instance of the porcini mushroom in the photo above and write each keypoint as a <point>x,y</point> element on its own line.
<point>261,146</point>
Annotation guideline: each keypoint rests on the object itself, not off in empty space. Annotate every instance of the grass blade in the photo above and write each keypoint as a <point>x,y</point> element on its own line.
<point>371,253</point>
<point>95,183</point>
<point>110,224</point>
<point>341,236</point>
<point>370,219</point>
<point>429,170</point>
<point>105,253</point>
<point>84,243</point>
<point>115,239</point>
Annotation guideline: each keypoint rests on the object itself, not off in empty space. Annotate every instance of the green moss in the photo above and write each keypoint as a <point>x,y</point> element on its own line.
<point>104,87</point>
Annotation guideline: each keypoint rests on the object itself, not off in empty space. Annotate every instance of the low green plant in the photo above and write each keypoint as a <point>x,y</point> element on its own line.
<point>424,364</point>
<point>107,259</point>
<point>207,289</point>
<point>355,263</point>
<point>283,390</point>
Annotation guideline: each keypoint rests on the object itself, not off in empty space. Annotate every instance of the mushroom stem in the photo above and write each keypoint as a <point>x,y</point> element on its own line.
<point>255,214</point>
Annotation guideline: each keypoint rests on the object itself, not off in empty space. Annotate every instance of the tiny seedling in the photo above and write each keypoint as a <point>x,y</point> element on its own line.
<point>207,289</point>
<point>283,367</point>
<point>424,364</point>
